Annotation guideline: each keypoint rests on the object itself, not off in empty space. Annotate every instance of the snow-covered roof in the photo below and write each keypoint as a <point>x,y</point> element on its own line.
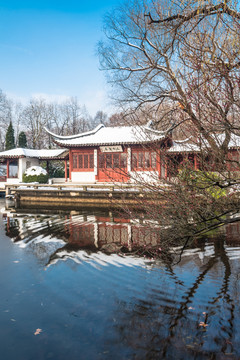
<point>181,147</point>
<point>187,146</point>
<point>118,135</point>
<point>233,143</point>
<point>32,153</point>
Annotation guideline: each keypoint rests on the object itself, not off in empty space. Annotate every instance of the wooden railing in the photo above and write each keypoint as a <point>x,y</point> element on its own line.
<point>12,188</point>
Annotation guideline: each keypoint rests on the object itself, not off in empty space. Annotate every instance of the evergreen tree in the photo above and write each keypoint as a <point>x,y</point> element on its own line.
<point>22,140</point>
<point>10,141</point>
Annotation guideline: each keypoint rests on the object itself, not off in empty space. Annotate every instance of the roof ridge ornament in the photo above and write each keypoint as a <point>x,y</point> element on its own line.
<point>163,133</point>
<point>87,133</point>
<point>183,141</point>
<point>149,124</point>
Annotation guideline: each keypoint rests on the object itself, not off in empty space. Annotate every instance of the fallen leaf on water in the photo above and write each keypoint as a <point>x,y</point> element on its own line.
<point>190,308</point>
<point>203,324</point>
<point>16,261</point>
<point>38,331</point>
<point>13,320</point>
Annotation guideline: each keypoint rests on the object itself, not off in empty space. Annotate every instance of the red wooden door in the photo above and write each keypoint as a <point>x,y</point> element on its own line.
<point>112,167</point>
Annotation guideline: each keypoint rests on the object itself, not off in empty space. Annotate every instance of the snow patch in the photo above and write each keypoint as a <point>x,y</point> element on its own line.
<point>35,170</point>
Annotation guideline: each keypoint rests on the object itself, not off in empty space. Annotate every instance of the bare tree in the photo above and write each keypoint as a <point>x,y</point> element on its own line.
<point>100,118</point>
<point>17,111</point>
<point>5,116</point>
<point>179,61</point>
<point>75,118</point>
<point>65,118</point>
<point>177,54</point>
<point>34,117</point>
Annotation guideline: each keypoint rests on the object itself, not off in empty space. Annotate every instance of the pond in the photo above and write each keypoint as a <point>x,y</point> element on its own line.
<point>70,290</point>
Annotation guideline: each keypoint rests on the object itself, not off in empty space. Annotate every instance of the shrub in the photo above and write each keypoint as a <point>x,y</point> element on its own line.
<point>35,174</point>
<point>56,169</point>
<point>201,181</point>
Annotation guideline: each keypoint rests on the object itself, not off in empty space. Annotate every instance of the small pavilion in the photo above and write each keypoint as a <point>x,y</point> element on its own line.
<point>14,162</point>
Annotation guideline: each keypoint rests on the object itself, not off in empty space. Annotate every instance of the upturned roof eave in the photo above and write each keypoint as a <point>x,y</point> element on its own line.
<point>66,157</point>
<point>87,133</point>
<point>183,151</point>
<point>69,146</point>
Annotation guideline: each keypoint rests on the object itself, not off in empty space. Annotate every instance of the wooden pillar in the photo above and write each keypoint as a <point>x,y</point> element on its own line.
<point>195,161</point>
<point>70,164</point>
<point>158,159</point>
<point>95,163</point>
<point>166,168</point>
<point>66,177</point>
<point>129,160</point>
<point>47,167</point>
<point>7,168</point>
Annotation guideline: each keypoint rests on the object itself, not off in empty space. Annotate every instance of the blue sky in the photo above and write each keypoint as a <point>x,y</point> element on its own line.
<point>48,49</point>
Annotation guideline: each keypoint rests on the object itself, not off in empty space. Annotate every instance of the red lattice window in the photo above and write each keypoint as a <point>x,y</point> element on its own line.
<point>83,162</point>
<point>144,160</point>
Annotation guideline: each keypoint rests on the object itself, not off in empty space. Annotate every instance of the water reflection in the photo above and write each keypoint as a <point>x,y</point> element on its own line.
<point>79,234</point>
<point>187,311</point>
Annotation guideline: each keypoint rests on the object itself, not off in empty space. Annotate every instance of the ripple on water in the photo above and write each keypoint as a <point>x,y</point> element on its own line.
<point>130,306</point>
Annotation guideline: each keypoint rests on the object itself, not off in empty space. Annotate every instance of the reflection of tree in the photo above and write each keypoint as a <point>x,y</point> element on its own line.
<point>224,294</point>
<point>176,322</point>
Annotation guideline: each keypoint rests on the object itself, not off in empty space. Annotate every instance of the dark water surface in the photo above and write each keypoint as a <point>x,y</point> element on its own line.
<point>66,294</point>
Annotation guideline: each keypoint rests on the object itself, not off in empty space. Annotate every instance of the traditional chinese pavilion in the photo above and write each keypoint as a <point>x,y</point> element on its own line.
<point>14,162</point>
<point>115,153</point>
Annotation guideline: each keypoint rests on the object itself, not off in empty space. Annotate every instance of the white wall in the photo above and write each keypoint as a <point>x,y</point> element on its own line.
<point>13,180</point>
<point>23,163</point>
<point>135,176</point>
<point>83,177</point>
<point>144,176</point>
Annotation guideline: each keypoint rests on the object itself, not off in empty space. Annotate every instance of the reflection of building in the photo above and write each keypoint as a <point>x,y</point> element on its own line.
<point>233,233</point>
<point>103,231</point>
<point>14,162</point>
<point>94,232</point>
<point>79,235</point>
